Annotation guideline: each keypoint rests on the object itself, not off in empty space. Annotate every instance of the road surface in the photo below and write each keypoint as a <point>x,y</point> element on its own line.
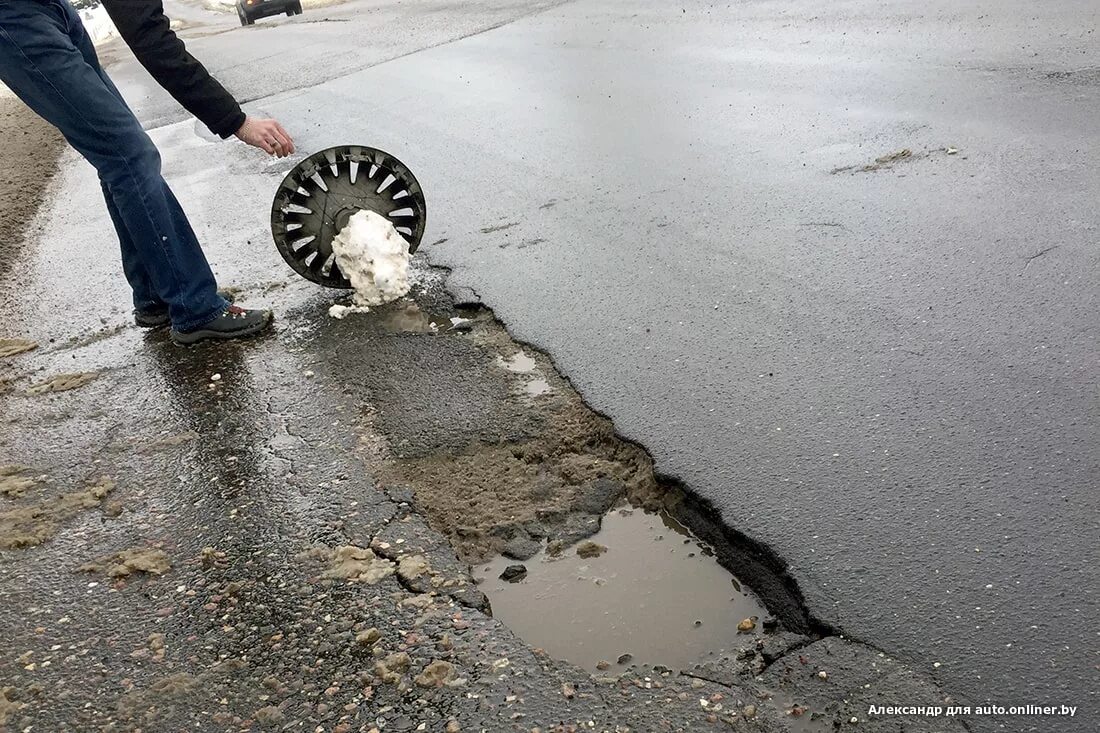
<point>833,267</point>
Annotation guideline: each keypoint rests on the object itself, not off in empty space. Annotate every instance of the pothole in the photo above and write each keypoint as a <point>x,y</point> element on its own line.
<point>643,590</point>
<point>506,460</point>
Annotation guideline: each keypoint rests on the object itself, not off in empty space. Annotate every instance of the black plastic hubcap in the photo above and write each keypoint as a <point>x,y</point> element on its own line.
<point>316,199</point>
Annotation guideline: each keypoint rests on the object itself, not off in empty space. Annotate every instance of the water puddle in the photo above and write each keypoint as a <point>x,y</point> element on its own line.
<point>657,596</point>
<point>537,387</point>
<point>519,363</point>
<point>408,317</point>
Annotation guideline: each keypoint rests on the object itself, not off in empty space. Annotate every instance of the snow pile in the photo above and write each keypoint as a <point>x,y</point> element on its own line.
<point>375,258</point>
<point>230,6</point>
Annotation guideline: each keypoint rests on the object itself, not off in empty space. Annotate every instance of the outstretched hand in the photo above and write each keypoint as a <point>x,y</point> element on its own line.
<point>267,135</point>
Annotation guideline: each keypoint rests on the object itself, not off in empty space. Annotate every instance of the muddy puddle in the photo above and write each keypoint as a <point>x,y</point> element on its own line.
<point>406,316</point>
<point>656,596</point>
<point>522,364</point>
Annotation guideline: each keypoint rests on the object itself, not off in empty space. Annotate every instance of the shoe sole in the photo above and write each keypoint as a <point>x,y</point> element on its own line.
<point>194,337</point>
<point>165,321</point>
<point>152,324</point>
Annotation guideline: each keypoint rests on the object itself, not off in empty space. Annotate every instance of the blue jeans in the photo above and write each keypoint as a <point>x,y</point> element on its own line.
<point>49,61</point>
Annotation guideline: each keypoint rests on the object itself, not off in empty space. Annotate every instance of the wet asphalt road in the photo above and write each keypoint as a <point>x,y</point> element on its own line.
<point>884,374</point>
<point>235,537</point>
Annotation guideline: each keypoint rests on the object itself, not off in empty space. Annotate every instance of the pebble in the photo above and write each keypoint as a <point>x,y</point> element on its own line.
<point>369,637</point>
<point>436,674</point>
<point>399,662</point>
<point>589,549</point>
<point>514,573</point>
<point>269,716</point>
<point>216,378</point>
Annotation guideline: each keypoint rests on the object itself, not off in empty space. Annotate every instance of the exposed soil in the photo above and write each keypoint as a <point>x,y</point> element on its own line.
<point>27,526</point>
<point>541,475</point>
<point>62,383</point>
<point>510,497</point>
<point>31,149</point>
<point>7,707</point>
<point>14,481</point>
<point>134,560</point>
<point>358,565</point>
<point>9,346</point>
<point>889,161</point>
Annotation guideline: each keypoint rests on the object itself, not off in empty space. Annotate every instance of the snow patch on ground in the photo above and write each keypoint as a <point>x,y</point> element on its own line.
<point>98,25</point>
<point>375,258</point>
<point>230,6</point>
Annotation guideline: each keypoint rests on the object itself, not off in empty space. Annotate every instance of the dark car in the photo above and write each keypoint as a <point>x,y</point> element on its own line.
<point>249,10</point>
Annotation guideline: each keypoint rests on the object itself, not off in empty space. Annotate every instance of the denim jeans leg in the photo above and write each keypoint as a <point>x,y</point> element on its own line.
<point>145,295</point>
<point>47,59</point>
<point>146,299</point>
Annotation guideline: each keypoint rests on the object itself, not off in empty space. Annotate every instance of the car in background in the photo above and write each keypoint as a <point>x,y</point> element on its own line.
<point>251,10</point>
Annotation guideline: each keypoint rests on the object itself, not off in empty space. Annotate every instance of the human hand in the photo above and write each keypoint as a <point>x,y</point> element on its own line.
<point>267,135</point>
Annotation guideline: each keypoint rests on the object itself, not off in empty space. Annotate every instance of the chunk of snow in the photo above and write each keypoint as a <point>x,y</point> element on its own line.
<point>374,257</point>
<point>343,311</point>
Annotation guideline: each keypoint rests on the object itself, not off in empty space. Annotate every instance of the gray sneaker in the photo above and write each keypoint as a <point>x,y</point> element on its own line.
<point>234,322</point>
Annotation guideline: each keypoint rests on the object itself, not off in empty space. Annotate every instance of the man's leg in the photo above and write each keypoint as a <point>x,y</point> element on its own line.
<point>40,60</point>
<point>146,299</point>
<point>147,303</point>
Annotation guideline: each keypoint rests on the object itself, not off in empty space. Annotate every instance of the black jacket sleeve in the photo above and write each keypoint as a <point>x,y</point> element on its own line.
<point>146,30</point>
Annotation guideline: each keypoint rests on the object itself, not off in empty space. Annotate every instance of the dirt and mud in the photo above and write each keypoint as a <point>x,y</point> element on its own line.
<point>13,346</point>
<point>14,481</point>
<point>62,383</point>
<point>122,564</point>
<point>31,149</point>
<point>553,484</point>
<point>37,521</point>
